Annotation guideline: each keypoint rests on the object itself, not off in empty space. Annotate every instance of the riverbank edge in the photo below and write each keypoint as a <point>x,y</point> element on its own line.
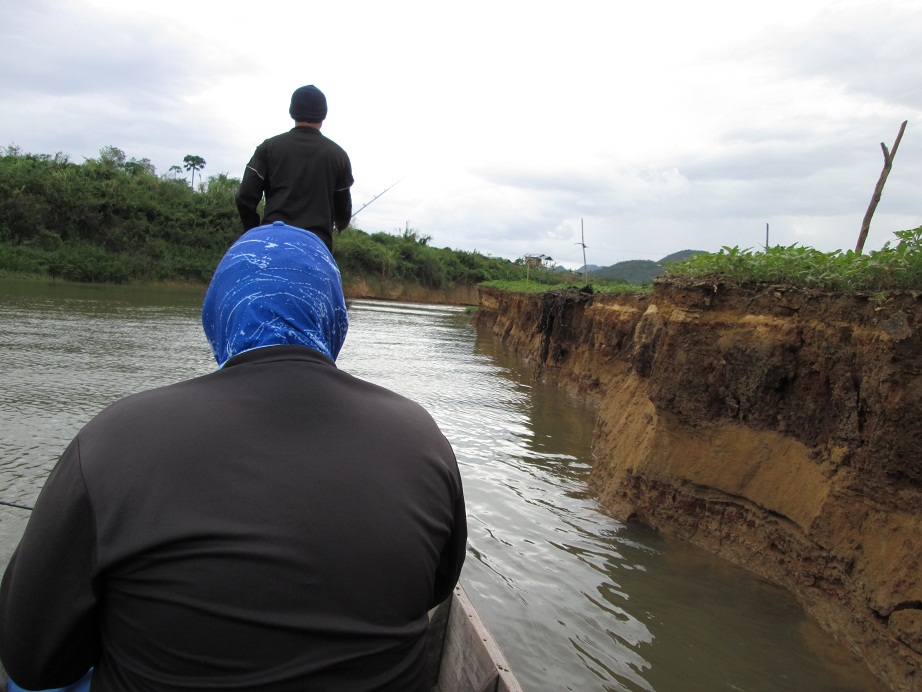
<point>354,288</point>
<point>361,287</point>
<point>776,427</point>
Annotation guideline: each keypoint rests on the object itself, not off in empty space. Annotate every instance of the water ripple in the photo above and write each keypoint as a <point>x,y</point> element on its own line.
<point>577,600</point>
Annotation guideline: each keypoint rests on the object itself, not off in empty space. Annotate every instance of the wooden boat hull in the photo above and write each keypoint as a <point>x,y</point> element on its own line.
<point>463,656</point>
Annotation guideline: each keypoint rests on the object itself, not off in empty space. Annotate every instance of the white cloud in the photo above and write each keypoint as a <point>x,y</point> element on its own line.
<point>662,125</point>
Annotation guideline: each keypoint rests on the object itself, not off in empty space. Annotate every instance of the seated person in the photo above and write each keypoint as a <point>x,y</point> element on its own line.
<point>275,525</point>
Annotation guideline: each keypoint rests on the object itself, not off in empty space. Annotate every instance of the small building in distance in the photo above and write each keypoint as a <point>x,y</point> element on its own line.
<point>537,261</point>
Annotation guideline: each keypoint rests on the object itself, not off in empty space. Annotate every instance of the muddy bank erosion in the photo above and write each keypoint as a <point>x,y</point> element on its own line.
<point>372,287</point>
<point>778,428</point>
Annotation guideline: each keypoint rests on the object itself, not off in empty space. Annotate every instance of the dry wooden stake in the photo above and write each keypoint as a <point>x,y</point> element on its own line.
<point>888,164</point>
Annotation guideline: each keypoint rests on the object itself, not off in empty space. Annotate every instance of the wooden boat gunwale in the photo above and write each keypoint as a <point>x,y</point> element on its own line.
<point>462,655</point>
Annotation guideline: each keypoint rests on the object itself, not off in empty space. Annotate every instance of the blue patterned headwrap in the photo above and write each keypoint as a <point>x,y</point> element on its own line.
<point>276,285</point>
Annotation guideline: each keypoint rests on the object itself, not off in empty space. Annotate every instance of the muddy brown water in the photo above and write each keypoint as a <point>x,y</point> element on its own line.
<point>576,600</point>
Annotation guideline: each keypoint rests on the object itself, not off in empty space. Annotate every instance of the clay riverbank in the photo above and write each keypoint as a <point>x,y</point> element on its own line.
<point>369,287</point>
<point>778,428</point>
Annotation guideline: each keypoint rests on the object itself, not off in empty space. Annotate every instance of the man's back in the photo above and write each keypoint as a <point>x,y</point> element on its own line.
<point>289,533</point>
<point>300,172</point>
<point>305,176</point>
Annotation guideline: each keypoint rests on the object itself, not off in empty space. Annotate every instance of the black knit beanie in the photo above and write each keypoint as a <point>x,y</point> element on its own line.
<point>308,105</point>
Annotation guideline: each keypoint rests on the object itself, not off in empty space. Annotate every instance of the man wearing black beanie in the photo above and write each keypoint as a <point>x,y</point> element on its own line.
<point>305,176</point>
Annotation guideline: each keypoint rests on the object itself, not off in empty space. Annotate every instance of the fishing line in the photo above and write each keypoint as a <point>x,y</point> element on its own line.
<point>13,504</point>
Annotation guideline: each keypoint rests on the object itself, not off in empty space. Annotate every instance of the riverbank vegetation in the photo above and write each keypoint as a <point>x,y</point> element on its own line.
<point>407,256</point>
<point>113,219</point>
<point>558,282</point>
<point>896,266</point>
<point>110,219</point>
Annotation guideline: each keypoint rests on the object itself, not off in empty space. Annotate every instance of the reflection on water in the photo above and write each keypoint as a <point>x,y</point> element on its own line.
<point>67,352</point>
<point>577,600</point>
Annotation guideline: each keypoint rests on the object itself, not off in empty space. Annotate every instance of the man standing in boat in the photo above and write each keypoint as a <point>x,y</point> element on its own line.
<point>276,525</point>
<point>304,175</point>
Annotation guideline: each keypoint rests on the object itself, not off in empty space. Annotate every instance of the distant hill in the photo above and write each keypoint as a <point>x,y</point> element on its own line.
<point>640,272</point>
<point>587,268</point>
<point>680,255</point>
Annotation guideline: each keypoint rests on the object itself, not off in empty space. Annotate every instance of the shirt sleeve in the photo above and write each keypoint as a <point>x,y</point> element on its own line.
<point>342,209</point>
<point>49,634</point>
<point>251,188</point>
<point>452,557</point>
<point>345,180</point>
<point>342,196</point>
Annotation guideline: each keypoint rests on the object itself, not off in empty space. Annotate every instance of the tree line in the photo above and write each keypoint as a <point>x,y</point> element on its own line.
<point>113,219</point>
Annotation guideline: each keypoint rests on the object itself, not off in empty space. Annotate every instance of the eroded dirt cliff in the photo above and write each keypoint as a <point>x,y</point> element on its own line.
<point>778,428</point>
<point>368,287</point>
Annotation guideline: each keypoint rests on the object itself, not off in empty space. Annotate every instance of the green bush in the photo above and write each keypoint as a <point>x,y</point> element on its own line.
<point>892,267</point>
<point>22,260</point>
<point>85,262</point>
<point>110,219</point>
<point>408,257</point>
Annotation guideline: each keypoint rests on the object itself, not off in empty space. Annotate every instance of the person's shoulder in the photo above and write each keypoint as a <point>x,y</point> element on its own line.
<point>145,403</point>
<point>338,148</point>
<point>338,154</point>
<point>281,136</point>
<point>381,401</point>
<point>332,145</point>
<point>379,411</point>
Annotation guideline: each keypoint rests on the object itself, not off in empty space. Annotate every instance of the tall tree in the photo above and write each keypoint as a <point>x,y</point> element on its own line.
<point>193,163</point>
<point>112,156</point>
<point>140,167</point>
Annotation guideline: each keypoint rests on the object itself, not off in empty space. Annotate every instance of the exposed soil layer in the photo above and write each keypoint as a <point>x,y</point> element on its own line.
<point>779,428</point>
<point>370,287</point>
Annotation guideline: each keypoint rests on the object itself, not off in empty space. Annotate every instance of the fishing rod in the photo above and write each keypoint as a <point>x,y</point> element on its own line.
<point>13,504</point>
<point>378,195</point>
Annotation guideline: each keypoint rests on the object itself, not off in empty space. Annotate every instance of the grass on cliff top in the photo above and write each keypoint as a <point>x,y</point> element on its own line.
<point>893,267</point>
<point>522,286</point>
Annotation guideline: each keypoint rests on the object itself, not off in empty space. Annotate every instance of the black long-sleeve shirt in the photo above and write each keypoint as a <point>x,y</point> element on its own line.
<point>306,179</point>
<point>275,525</point>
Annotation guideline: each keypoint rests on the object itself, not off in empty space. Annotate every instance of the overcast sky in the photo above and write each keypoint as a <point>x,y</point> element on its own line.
<point>660,126</point>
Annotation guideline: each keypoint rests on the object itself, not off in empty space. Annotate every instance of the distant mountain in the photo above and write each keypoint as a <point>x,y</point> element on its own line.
<point>680,255</point>
<point>587,268</point>
<point>631,272</point>
<point>640,272</point>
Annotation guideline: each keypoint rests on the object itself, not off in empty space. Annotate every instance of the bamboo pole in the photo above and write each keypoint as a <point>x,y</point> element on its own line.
<point>875,198</point>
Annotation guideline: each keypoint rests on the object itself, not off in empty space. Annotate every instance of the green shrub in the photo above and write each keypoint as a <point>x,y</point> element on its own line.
<point>408,257</point>
<point>85,262</point>
<point>23,260</point>
<point>110,219</point>
<point>892,267</point>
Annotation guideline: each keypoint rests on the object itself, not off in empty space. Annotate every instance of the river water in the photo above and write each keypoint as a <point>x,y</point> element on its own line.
<point>576,599</point>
